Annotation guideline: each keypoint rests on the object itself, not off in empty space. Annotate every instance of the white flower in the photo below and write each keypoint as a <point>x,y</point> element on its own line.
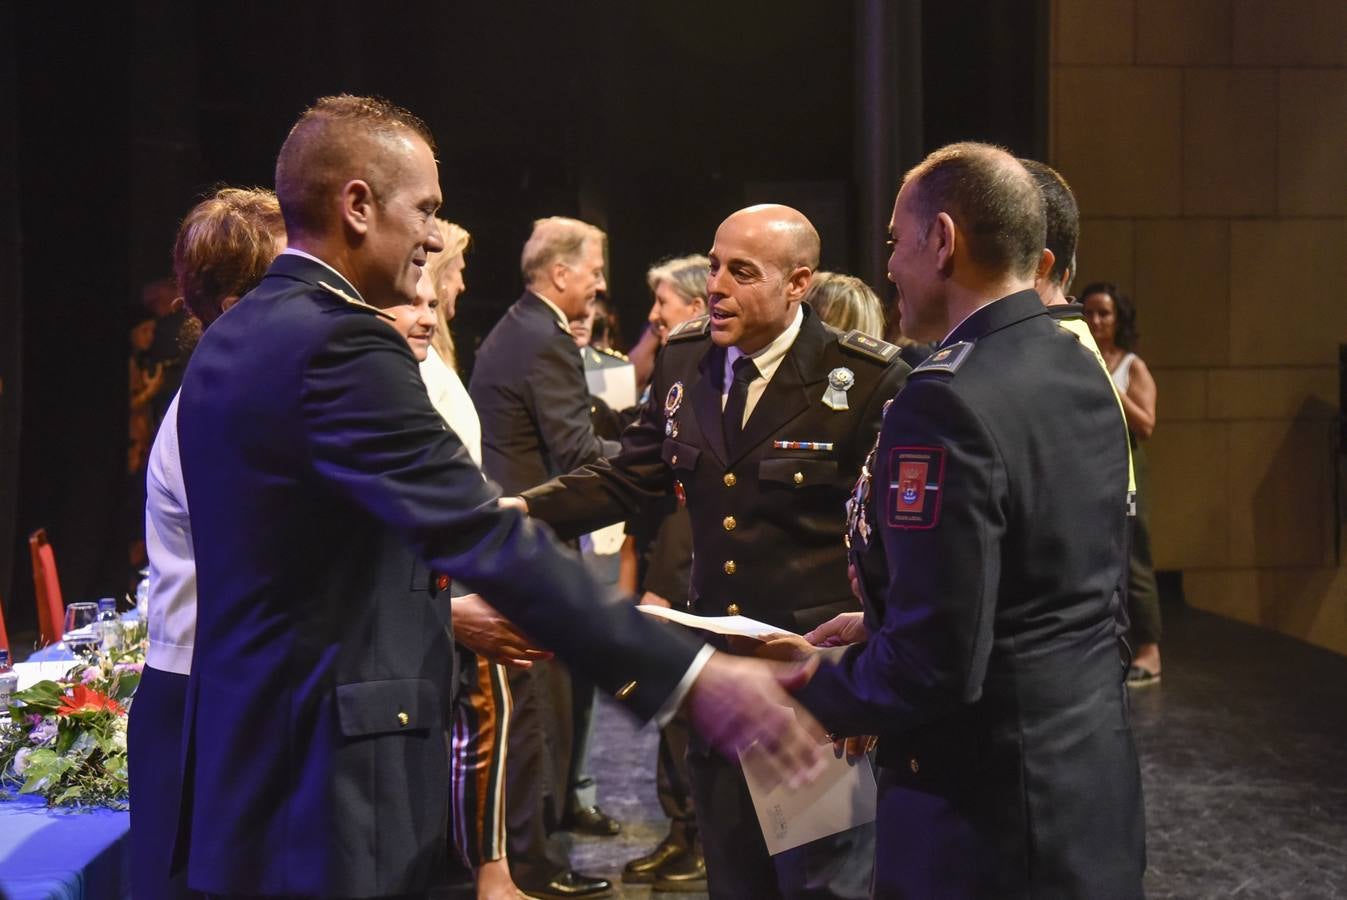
<point>119,734</point>
<point>21,760</point>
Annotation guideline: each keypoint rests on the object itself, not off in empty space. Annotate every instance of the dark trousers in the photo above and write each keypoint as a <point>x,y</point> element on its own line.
<point>1143,595</point>
<point>535,771</point>
<point>673,781</point>
<point>154,769</point>
<point>737,862</point>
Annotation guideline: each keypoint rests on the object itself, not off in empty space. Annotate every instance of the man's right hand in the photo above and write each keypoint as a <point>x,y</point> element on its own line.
<point>487,633</point>
<point>737,702</point>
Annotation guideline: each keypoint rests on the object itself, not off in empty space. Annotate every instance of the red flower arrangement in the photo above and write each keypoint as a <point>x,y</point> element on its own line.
<point>83,698</point>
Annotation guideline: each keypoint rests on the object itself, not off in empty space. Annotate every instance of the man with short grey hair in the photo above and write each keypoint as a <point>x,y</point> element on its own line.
<point>529,388</point>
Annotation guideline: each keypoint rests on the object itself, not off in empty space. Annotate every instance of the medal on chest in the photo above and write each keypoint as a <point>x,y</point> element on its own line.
<point>858,504</point>
<point>840,380</point>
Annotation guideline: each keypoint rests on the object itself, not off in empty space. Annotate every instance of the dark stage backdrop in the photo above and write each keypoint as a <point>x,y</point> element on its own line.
<point>652,120</point>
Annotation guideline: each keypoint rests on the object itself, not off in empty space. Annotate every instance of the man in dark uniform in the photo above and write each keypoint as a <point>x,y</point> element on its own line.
<point>314,753</point>
<point>990,546</point>
<point>758,420</point>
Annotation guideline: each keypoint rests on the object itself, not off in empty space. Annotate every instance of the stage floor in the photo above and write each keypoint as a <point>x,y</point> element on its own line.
<point>1243,749</point>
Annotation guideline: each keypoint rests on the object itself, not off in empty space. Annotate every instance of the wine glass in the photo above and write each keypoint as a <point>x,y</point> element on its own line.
<point>80,636</point>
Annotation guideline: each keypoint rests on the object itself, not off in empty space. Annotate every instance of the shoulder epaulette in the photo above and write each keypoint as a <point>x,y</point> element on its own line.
<point>692,328</point>
<point>862,344</point>
<point>358,304</point>
<point>1066,311</point>
<point>946,359</point>
<point>607,351</point>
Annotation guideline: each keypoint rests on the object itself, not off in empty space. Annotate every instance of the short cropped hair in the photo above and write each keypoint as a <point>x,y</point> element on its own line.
<point>687,275</point>
<point>991,198</point>
<point>556,239</point>
<point>846,303</point>
<point>335,140</point>
<point>456,239</point>
<point>1126,335</point>
<point>1062,216</point>
<point>224,247</point>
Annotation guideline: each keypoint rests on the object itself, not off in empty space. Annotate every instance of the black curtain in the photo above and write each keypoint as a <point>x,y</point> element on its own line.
<point>11,319</point>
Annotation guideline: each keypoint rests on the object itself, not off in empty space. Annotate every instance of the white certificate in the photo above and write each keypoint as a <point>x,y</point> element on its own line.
<point>843,797</point>
<point>738,626</point>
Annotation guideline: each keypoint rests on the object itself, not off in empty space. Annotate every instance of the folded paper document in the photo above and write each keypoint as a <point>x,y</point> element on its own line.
<point>738,626</point>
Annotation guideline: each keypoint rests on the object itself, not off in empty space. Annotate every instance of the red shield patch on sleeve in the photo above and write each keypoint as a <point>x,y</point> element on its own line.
<point>916,475</point>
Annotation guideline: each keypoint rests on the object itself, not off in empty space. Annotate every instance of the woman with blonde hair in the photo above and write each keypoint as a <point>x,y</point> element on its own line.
<point>482,714</point>
<point>846,303</point>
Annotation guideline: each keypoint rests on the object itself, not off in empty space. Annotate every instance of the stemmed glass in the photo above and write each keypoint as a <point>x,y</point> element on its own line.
<point>80,636</point>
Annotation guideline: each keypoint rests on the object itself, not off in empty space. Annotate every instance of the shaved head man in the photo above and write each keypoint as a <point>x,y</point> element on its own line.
<point>759,420</point>
<point>762,262</point>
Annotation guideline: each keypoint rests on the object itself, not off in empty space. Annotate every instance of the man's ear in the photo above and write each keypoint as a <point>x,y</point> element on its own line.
<point>357,205</point>
<point>228,302</point>
<point>946,238</point>
<point>558,275</point>
<point>797,283</point>
<point>1045,263</point>
<point>698,305</point>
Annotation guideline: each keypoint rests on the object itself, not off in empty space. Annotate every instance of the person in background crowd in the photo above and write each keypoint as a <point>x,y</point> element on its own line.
<point>222,250</point>
<point>988,546</point>
<point>528,385</point>
<point>759,421</point>
<point>663,542</point>
<point>482,715</point>
<point>171,347</point>
<point>145,380</point>
<point>846,303</point>
<point>1112,320</point>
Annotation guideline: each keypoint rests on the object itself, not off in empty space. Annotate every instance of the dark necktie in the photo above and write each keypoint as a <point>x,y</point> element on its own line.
<point>745,370</point>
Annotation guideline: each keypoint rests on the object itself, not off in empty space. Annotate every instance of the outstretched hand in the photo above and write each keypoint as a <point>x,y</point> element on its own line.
<point>487,633</point>
<point>736,703</point>
<point>839,631</point>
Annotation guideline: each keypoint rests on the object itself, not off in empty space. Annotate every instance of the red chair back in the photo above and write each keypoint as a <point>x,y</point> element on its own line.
<point>50,606</point>
<point>4,635</point>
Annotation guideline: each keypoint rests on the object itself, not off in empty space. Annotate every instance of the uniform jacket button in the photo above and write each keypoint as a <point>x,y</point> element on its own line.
<point>673,460</point>
<point>730,523</point>
<point>732,609</point>
<point>730,567</point>
<point>913,764</point>
<point>403,719</point>
<point>729,479</point>
<point>799,478</point>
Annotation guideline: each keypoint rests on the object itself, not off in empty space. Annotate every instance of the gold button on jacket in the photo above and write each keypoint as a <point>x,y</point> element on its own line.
<point>730,480</point>
<point>732,609</point>
<point>730,567</point>
<point>730,523</point>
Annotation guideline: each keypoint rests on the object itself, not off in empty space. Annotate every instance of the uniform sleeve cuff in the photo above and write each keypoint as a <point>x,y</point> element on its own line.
<point>680,692</point>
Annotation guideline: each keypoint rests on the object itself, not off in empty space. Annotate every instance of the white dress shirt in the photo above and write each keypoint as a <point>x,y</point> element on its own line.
<point>168,541</point>
<point>768,360</point>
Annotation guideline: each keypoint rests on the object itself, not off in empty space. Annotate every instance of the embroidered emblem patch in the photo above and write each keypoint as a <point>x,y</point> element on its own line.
<point>916,476</point>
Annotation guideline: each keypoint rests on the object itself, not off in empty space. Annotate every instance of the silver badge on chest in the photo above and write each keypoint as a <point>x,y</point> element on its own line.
<point>840,380</point>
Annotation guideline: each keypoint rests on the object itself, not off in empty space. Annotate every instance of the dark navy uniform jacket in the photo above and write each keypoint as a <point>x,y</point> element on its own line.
<point>315,759</point>
<point>996,517</point>
<point>767,520</point>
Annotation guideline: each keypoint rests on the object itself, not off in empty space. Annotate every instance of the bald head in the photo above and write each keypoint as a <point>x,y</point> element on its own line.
<point>337,140</point>
<point>761,265</point>
<point>787,237</point>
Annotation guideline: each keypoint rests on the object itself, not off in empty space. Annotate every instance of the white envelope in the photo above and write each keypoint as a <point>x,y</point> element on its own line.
<point>843,797</point>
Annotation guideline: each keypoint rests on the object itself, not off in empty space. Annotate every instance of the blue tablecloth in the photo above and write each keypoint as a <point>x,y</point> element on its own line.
<point>66,854</point>
<point>84,854</point>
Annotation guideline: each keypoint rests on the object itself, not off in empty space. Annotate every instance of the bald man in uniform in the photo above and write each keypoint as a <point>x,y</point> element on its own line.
<point>758,419</point>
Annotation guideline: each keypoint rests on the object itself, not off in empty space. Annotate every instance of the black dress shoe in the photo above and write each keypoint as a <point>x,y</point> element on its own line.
<point>590,820</point>
<point>568,885</point>
<point>682,874</point>
<point>642,869</point>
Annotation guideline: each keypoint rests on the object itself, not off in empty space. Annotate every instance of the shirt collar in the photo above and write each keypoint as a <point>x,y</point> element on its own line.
<point>769,358</point>
<point>295,251</point>
<point>556,310</point>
